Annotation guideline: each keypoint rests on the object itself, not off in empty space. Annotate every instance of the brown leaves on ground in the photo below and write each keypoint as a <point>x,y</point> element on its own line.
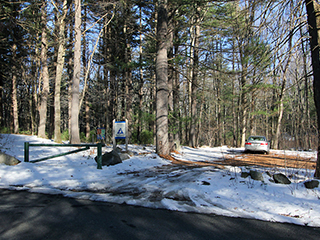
<point>190,163</point>
<point>262,160</point>
<point>271,160</point>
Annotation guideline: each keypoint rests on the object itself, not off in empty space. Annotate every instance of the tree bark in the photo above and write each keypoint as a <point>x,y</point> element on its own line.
<point>306,94</point>
<point>162,139</point>
<point>140,88</point>
<point>176,86</point>
<point>170,81</point>
<point>243,106</point>
<point>74,134</point>
<point>194,86</point>
<point>86,69</point>
<point>314,25</point>
<point>14,93</point>
<point>45,75</point>
<point>59,70</point>
<point>128,76</point>
<point>282,92</point>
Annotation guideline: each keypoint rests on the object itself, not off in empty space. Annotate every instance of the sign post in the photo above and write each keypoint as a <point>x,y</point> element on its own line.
<point>120,130</point>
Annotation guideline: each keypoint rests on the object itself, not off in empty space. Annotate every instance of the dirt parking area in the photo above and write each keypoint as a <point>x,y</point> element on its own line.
<point>253,159</point>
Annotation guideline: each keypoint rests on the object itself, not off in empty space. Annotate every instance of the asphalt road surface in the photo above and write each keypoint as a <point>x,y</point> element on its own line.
<point>25,215</point>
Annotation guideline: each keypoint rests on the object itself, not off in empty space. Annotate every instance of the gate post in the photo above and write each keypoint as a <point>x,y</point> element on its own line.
<point>99,157</point>
<point>26,151</point>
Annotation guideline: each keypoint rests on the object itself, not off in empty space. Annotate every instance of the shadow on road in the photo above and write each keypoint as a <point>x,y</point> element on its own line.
<point>25,215</point>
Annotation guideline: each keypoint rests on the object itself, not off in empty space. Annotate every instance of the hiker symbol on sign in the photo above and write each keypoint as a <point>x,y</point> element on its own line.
<point>120,131</point>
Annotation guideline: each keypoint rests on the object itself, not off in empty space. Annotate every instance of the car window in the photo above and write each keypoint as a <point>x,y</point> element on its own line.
<point>256,139</point>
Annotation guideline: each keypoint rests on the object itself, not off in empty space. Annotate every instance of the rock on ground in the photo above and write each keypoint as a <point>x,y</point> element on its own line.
<point>281,178</point>
<point>311,184</point>
<point>110,158</point>
<point>8,160</point>
<point>255,175</point>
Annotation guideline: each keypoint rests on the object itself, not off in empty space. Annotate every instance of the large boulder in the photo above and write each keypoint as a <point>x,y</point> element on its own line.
<point>281,178</point>
<point>124,156</point>
<point>245,174</point>
<point>255,175</point>
<point>311,184</point>
<point>110,158</point>
<point>118,149</point>
<point>8,160</point>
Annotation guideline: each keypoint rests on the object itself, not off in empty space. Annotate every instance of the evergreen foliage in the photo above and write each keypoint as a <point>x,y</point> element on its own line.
<point>243,48</point>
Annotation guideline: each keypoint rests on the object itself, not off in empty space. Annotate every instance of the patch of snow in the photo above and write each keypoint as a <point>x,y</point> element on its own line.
<point>150,181</point>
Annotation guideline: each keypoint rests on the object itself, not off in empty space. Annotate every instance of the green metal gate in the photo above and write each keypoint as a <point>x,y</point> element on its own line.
<point>84,147</point>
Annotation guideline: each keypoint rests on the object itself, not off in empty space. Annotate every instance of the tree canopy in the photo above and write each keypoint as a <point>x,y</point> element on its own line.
<point>234,69</point>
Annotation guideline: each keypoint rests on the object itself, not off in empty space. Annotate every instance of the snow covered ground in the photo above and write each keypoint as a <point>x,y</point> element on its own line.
<point>148,180</point>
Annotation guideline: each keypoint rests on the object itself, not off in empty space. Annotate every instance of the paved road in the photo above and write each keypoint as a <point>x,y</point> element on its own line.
<point>25,215</point>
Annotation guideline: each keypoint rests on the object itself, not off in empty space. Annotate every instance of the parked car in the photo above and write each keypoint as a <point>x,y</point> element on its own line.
<point>257,144</point>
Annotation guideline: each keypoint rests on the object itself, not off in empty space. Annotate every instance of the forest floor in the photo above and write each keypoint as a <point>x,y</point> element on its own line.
<point>270,160</point>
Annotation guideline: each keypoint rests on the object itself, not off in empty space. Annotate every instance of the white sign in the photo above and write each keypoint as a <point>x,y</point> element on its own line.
<point>120,129</point>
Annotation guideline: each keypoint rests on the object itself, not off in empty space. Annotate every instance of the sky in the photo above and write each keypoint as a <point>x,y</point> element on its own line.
<point>150,181</point>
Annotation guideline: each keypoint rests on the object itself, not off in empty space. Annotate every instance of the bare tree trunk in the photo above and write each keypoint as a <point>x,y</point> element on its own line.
<point>140,88</point>
<point>128,78</point>
<point>175,88</point>
<point>170,81</point>
<point>194,85</point>
<point>153,123</point>
<point>33,92</point>
<point>282,94</point>
<point>280,116</point>
<point>59,70</point>
<point>218,94</point>
<point>162,139</point>
<point>234,120</point>
<point>1,102</point>
<point>185,111</point>
<point>189,89</point>
<point>244,107</point>
<point>244,53</point>
<point>86,68</point>
<point>45,76</point>
<point>74,134</point>
<point>14,93</point>
<point>314,26</point>
<point>306,95</point>
<point>106,71</point>
<point>87,118</point>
